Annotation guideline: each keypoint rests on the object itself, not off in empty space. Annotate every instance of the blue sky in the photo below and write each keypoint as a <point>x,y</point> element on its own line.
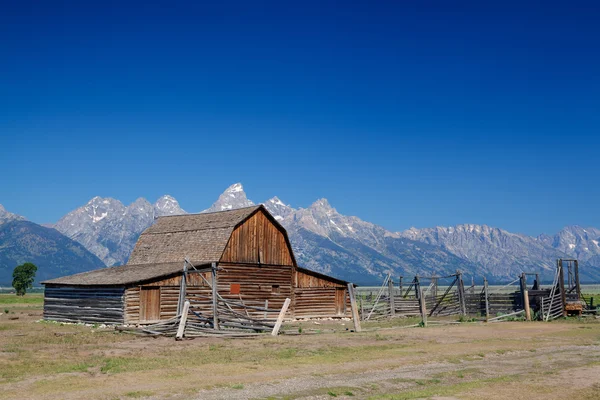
<point>420,114</point>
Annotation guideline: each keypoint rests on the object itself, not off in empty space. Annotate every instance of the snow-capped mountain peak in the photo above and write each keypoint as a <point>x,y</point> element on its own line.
<point>167,205</point>
<point>233,197</point>
<point>278,208</point>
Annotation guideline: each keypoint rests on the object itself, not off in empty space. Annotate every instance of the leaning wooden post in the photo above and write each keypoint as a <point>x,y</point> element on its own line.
<point>183,321</point>
<point>214,296</point>
<point>561,285</point>
<point>487,304</point>
<point>182,289</point>
<point>354,308</point>
<point>391,296</point>
<point>423,308</point>
<point>526,304</point>
<point>286,304</point>
<point>461,293</point>
<point>400,284</point>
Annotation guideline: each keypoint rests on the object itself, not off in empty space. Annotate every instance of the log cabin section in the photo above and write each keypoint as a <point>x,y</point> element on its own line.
<point>255,264</point>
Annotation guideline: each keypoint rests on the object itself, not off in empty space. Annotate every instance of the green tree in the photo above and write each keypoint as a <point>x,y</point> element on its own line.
<point>23,277</point>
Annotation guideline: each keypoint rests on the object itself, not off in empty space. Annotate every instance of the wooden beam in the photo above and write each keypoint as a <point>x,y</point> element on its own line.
<point>183,321</point>
<point>461,293</point>
<point>286,304</point>
<point>355,316</point>
<point>487,304</point>
<point>214,296</point>
<point>182,288</point>
<point>391,296</point>
<point>561,285</point>
<point>526,305</point>
<point>423,308</point>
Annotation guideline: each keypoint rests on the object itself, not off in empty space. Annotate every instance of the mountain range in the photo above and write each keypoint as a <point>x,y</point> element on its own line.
<point>348,247</point>
<point>55,254</point>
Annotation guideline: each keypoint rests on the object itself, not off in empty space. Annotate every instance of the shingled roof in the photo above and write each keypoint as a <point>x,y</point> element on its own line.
<point>122,275</point>
<point>200,237</point>
<point>162,248</point>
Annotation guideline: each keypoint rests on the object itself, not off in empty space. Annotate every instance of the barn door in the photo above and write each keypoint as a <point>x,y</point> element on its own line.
<point>149,304</point>
<point>340,301</point>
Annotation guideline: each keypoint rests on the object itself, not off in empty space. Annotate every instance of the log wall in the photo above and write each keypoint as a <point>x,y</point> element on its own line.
<point>88,304</point>
<point>257,284</point>
<point>316,297</point>
<point>169,294</point>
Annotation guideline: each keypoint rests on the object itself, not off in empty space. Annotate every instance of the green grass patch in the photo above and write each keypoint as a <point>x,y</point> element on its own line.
<point>138,394</point>
<point>34,298</point>
<point>444,390</point>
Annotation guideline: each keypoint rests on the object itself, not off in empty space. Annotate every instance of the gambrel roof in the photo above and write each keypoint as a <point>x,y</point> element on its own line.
<point>200,237</point>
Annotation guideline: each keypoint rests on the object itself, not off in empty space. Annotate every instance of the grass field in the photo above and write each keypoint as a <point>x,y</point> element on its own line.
<point>41,360</point>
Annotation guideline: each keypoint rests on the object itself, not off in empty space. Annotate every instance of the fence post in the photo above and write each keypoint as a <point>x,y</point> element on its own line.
<point>423,308</point>
<point>355,317</point>
<point>214,296</point>
<point>523,284</point>
<point>461,293</point>
<point>400,284</point>
<point>485,294</point>
<point>183,321</point>
<point>182,289</point>
<point>286,304</point>
<point>561,285</point>
<point>391,296</point>
<point>526,305</point>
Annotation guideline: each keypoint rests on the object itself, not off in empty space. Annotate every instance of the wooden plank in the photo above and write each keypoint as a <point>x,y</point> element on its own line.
<point>391,296</point>
<point>214,297</point>
<point>355,316</point>
<point>277,326</point>
<point>423,308</point>
<point>183,321</point>
<point>526,303</point>
<point>487,304</point>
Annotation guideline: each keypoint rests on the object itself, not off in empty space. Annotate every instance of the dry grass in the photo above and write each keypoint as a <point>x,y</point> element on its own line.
<point>48,360</point>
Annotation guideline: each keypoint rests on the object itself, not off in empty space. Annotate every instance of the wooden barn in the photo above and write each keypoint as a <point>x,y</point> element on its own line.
<point>246,251</point>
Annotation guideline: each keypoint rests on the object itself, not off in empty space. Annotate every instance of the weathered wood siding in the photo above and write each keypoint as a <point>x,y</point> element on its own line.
<point>257,284</point>
<point>169,295</point>
<point>89,304</point>
<point>258,241</point>
<point>316,297</point>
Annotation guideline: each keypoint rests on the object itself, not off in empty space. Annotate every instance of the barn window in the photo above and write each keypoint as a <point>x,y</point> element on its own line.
<point>234,288</point>
<point>275,289</point>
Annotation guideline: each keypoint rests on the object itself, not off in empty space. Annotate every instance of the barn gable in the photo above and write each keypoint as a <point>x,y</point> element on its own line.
<point>259,239</point>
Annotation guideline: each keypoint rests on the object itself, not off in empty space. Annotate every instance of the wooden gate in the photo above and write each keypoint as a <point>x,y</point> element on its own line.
<point>149,304</point>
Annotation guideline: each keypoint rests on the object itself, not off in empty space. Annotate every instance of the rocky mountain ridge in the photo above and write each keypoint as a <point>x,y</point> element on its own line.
<point>110,229</point>
<point>53,253</point>
<point>6,216</point>
<point>346,246</point>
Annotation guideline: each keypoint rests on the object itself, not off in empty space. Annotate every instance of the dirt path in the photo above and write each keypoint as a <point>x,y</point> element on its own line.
<point>510,360</point>
<point>569,362</point>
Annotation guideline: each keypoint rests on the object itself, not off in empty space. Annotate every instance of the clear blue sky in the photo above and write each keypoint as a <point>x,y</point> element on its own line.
<point>420,114</point>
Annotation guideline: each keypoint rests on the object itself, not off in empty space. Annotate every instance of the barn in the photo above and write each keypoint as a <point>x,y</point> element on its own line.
<point>245,251</point>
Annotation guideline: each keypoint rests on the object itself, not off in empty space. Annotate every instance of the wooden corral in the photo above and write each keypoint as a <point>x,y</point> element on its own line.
<point>254,265</point>
<point>561,298</point>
